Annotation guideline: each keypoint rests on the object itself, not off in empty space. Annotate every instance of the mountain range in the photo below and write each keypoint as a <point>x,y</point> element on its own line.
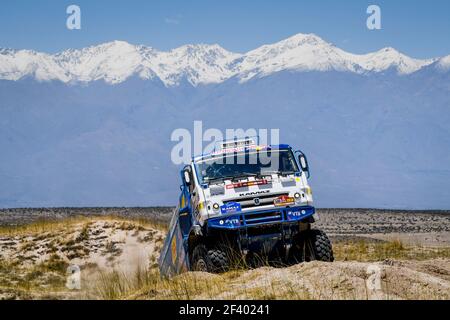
<point>117,61</point>
<point>92,127</point>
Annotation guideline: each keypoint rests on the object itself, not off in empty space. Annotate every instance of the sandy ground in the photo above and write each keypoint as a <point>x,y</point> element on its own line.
<point>94,247</point>
<point>106,244</point>
<point>341,280</point>
<point>34,262</point>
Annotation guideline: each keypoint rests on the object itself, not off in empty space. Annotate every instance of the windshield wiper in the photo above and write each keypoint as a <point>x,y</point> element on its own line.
<point>281,173</point>
<point>220,178</point>
<point>287,172</point>
<point>252,174</point>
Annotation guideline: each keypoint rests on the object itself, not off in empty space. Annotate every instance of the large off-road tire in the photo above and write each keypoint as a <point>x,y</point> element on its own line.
<point>218,260</point>
<point>311,245</point>
<point>212,260</point>
<point>318,246</point>
<point>199,260</point>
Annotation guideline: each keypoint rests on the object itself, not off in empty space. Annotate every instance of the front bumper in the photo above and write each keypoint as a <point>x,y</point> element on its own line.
<point>236,221</point>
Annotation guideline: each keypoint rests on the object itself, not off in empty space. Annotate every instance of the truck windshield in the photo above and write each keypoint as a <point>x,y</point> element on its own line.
<point>254,163</point>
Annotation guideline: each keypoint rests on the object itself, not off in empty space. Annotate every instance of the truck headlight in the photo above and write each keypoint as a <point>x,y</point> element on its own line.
<point>296,195</point>
<point>216,206</point>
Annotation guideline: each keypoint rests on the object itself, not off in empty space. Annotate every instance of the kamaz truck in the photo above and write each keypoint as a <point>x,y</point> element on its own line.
<point>243,204</point>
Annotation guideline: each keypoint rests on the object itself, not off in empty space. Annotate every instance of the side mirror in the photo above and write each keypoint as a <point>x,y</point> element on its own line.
<point>187,176</point>
<point>304,164</point>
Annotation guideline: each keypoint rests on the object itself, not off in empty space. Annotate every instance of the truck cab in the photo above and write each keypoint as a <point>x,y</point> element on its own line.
<point>244,204</point>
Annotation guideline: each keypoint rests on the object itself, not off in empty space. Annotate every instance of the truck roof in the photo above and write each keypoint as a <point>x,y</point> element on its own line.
<point>241,149</point>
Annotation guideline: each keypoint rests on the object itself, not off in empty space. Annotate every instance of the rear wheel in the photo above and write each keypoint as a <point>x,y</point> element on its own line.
<point>199,261</point>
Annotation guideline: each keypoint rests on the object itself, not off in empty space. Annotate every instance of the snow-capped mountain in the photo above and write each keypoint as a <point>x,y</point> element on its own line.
<point>444,63</point>
<point>117,61</point>
<point>390,58</point>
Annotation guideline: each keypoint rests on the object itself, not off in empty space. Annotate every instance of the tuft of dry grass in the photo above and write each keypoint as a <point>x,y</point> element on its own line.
<point>46,277</point>
<point>378,251</point>
<point>55,263</point>
<point>116,284</point>
<point>84,233</point>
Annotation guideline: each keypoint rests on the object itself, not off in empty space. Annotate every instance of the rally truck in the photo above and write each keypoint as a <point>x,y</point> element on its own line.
<point>244,203</point>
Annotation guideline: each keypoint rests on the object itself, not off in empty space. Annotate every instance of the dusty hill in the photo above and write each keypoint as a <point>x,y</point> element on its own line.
<point>317,280</point>
<point>117,259</point>
<point>34,258</point>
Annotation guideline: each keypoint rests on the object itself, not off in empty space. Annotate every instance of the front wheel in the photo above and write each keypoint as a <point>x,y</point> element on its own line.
<point>312,245</point>
<point>218,260</point>
<point>212,260</point>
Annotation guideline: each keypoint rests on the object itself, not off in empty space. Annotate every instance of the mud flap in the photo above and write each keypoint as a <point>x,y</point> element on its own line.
<point>173,258</point>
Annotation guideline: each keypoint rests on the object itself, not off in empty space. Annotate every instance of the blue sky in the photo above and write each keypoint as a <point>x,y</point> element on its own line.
<point>418,28</point>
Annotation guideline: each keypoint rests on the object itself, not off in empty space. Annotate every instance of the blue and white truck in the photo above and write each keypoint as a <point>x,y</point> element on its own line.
<point>244,203</point>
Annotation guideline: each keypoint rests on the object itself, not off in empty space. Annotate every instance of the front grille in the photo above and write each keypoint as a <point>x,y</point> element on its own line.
<point>249,202</point>
<point>264,217</point>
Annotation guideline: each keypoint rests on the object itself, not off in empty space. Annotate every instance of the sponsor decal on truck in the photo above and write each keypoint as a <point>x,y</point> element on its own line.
<point>230,207</point>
